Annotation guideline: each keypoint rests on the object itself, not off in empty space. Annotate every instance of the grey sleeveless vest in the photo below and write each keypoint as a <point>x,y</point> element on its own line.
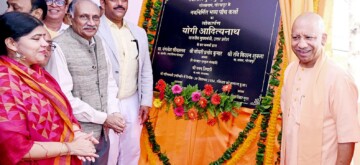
<point>88,68</point>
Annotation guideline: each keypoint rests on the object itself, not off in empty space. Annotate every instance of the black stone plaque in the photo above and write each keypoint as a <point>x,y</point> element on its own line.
<point>218,42</point>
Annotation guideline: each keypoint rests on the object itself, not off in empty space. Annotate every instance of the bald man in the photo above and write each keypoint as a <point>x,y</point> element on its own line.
<point>319,102</point>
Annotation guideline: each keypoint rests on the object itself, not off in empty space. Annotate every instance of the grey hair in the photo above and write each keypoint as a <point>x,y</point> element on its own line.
<point>72,6</point>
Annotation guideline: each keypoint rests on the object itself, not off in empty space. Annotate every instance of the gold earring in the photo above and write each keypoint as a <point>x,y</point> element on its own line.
<point>19,56</point>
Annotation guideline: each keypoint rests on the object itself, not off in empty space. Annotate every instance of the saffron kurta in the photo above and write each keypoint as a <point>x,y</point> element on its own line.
<point>338,99</point>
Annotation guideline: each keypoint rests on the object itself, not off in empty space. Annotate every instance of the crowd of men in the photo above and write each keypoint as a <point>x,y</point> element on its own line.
<point>102,64</point>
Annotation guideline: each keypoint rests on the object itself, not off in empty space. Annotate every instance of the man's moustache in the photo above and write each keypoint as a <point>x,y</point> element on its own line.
<point>90,27</point>
<point>119,7</point>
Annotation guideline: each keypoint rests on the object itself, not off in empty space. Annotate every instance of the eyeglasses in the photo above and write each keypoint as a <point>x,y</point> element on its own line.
<point>56,2</point>
<point>51,46</point>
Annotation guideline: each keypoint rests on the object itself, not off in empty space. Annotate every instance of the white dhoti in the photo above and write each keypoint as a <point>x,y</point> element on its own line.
<point>125,147</point>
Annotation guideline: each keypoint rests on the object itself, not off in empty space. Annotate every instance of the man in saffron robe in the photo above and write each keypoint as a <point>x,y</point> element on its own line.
<point>319,102</point>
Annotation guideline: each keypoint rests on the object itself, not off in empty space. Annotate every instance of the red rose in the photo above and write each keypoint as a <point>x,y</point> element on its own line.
<point>179,101</point>
<point>202,102</point>
<point>225,116</point>
<point>212,122</point>
<point>162,95</point>
<point>215,99</point>
<point>208,89</point>
<point>226,88</point>
<point>160,85</point>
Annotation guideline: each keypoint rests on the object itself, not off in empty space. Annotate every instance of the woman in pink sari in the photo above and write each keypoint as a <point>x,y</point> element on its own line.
<point>36,121</point>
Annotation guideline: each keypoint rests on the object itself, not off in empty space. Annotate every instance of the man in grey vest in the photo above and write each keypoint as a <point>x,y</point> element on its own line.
<point>82,68</point>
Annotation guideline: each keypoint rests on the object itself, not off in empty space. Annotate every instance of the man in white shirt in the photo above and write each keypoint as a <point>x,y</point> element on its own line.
<point>55,16</point>
<point>81,66</point>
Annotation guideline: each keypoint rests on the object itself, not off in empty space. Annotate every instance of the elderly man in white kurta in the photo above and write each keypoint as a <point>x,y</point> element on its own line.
<point>81,66</point>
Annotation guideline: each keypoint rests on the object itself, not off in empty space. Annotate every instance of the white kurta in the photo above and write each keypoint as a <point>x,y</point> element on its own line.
<point>57,67</point>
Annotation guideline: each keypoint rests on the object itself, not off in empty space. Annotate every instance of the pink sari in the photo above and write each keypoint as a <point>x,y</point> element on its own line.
<point>32,108</point>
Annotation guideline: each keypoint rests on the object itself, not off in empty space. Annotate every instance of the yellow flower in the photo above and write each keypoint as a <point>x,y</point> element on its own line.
<point>157,103</point>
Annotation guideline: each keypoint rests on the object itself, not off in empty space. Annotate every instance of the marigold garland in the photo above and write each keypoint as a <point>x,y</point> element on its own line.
<point>150,154</point>
<point>151,16</point>
<point>316,6</point>
<point>154,145</point>
<point>247,143</point>
<point>243,135</point>
<point>265,108</point>
<point>270,140</point>
<point>270,107</point>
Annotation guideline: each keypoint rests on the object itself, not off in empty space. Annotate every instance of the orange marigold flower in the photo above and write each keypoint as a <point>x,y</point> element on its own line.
<point>227,88</point>
<point>208,89</point>
<point>192,113</point>
<point>160,85</point>
<point>212,122</point>
<point>215,99</point>
<point>202,102</point>
<point>179,101</point>
<point>225,116</point>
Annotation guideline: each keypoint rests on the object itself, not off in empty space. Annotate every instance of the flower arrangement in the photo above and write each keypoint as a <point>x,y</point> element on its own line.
<point>261,114</point>
<point>190,103</point>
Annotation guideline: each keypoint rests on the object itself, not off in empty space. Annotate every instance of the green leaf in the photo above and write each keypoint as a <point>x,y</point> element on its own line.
<point>145,24</point>
<point>150,37</point>
<point>212,112</point>
<point>235,114</point>
<point>274,82</point>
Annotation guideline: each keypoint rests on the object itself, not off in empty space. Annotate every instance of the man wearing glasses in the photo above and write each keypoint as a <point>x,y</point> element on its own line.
<point>56,10</point>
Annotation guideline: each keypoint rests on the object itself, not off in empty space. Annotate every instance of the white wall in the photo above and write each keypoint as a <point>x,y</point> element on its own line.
<point>133,13</point>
